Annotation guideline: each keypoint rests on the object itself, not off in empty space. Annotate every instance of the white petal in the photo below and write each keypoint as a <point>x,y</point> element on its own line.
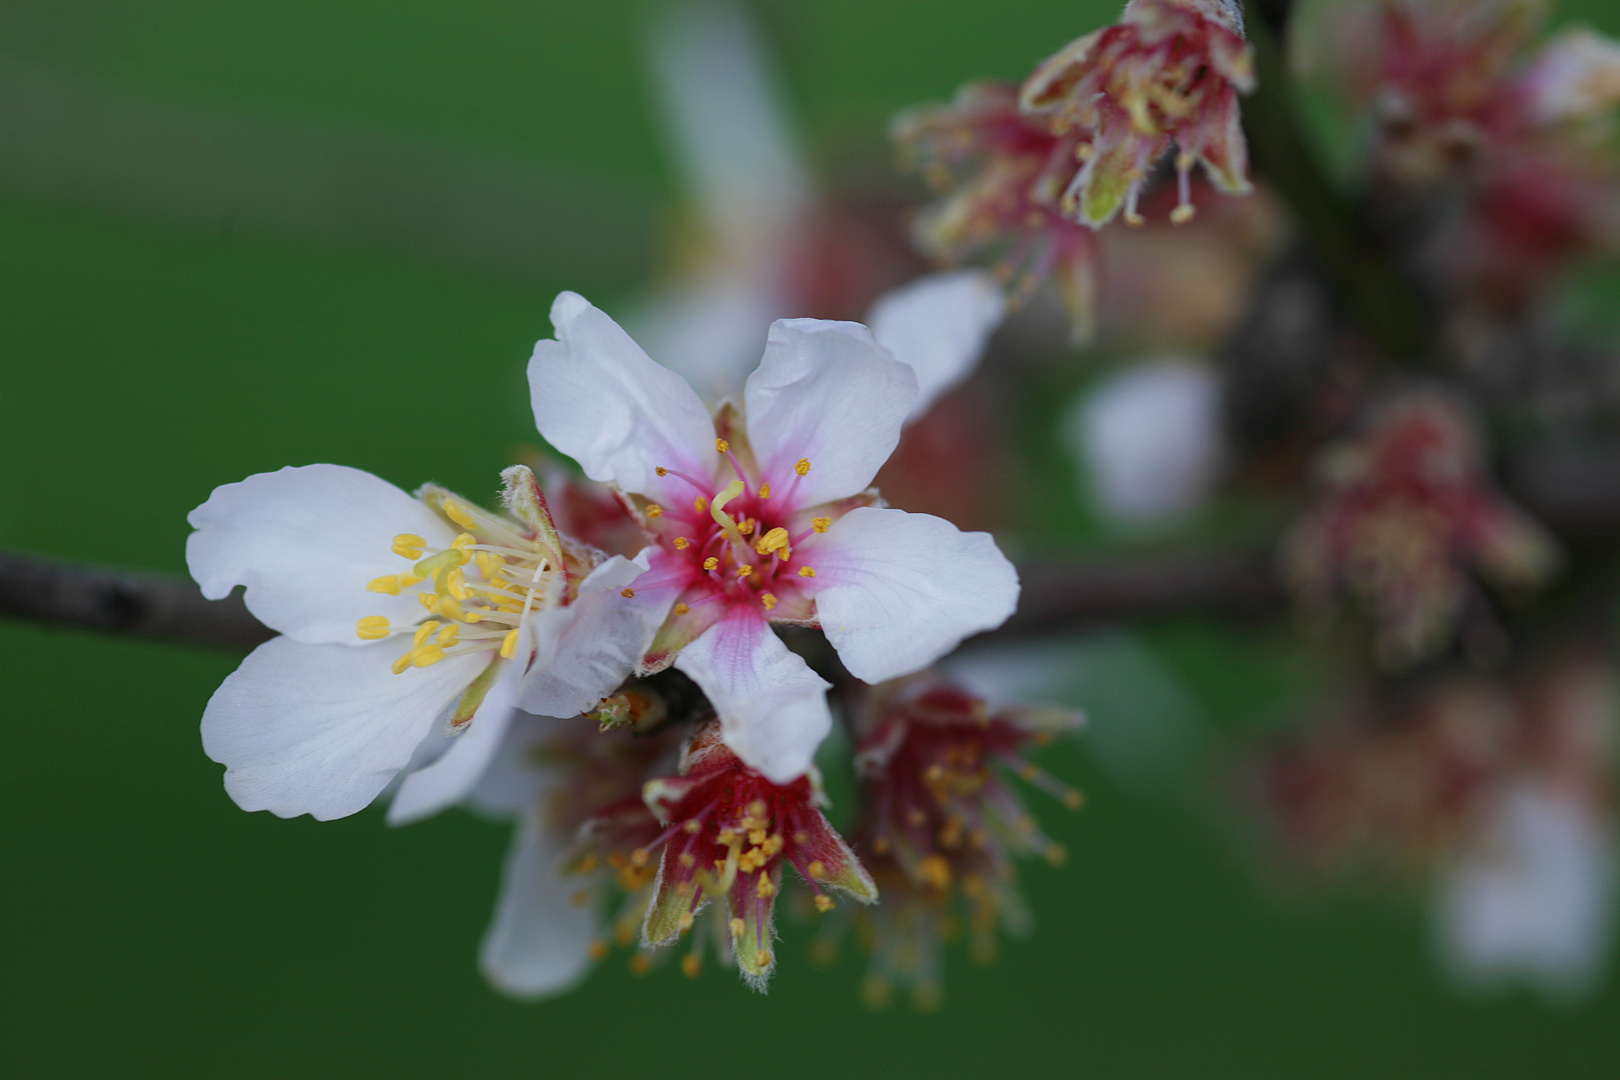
<point>729,129</point>
<point>458,770</point>
<point>1151,441</point>
<point>897,591</point>
<point>539,943</point>
<point>828,392</point>
<point>772,707</point>
<point>599,399</point>
<point>518,777</point>
<point>321,729</point>
<point>305,541</point>
<point>600,637</point>
<point>937,326</point>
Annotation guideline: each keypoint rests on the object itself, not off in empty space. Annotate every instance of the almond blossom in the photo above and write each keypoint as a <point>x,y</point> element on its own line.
<point>761,514</point>
<point>729,832</point>
<point>1168,74</point>
<point>411,627</point>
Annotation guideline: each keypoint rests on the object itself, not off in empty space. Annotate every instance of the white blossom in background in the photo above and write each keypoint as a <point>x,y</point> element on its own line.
<point>1533,900</point>
<point>411,627</point>
<point>764,515</point>
<point>740,157</point>
<point>1149,441</point>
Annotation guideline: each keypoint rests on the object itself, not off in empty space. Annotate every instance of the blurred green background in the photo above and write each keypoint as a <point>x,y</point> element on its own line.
<point>241,235</point>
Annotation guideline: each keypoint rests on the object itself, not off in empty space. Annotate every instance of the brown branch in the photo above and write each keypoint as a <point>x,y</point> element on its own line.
<point>131,603</point>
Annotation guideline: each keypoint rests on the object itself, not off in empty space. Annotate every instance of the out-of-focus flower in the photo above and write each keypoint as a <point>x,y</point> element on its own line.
<point>942,825</point>
<point>1150,440</point>
<point>1001,175</point>
<point>764,516</point>
<point>1168,74</point>
<point>728,832</point>
<point>771,249</point>
<point>1407,516</point>
<point>575,794</point>
<point>499,611</point>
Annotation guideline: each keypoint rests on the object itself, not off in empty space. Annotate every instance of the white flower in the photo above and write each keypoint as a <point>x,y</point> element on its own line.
<point>1535,899</point>
<point>499,613</point>
<point>1150,441</point>
<point>765,516</point>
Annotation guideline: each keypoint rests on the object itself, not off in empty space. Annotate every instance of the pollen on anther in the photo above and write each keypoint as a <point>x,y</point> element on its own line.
<point>681,609</point>
<point>627,592</point>
<point>710,563</point>
<point>682,543</point>
<point>509,645</point>
<point>388,583</point>
<point>722,446</point>
<point>686,921</point>
<point>768,599</point>
<point>456,513</point>
<point>802,466</point>
<point>764,491</point>
<point>821,524</point>
<point>660,470</point>
<point>654,510</point>
<point>373,628</point>
<point>807,571</point>
<point>737,927</point>
<point>818,869</point>
<point>824,903</point>
<point>744,570</point>
<point>700,504</point>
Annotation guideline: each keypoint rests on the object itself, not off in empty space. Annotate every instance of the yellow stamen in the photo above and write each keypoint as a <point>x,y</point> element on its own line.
<point>722,446</point>
<point>764,491</point>
<point>744,571</point>
<point>388,583</point>
<point>660,470</point>
<point>700,504</point>
<point>509,645</point>
<point>824,903</point>
<point>427,656</point>
<point>688,860</point>
<point>455,583</point>
<point>686,921</point>
<point>449,635</point>
<point>807,571</point>
<point>627,592</point>
<point>710,563</point>
<point>401,664</point>
<point>775,540</point>
<point>802,466</point>
<point>409,545</point>
<point>681,609</point>
<point>737,927</point>
<point>768,599</point>
<point>424,631</point>
<point>654,510</point>
<point>746,526</point>
<point>818,869</point>
<point>373,628</point>
<point>682,543</point>
<point>428,599</point>
<point>821,524</point>
<point>762,958</point>
<point>458,514</point>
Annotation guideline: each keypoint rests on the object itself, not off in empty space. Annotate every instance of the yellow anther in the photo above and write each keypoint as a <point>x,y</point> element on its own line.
<point>775,540</point>
<point>726,838</point>
<point>388,583</point>
<point>681,609</point>
<point>449,635</point>
<point>462,540</point>
<point>654,510</point>
<point>509,644</point>
<point>688,860</point>
<point>627,592</point>
<point>936,870</point>
<point>722,446</point>
<point>373,628</point>
<point>801,837</point>
<point>407,580</point>
<point>682,543</point>
<point>693,827</point>
<point>458,514</point>
<point>640,856</point>
<point>773,844</point>
<point>710,563</point>
<point>756,836</point>
<point>1183,214</point>
<point>410,541</point>
<point>764,491</point>
<point>737,928</point>
<point>744,571</point>
<point>802,466</point>
<point>765,888</point>
<point>425,631</point>
<point>401,664</point>
<point>746,526</point>
<point>821,524</point>
<point>428,599</point>
<point>448,608</point>
<point>686,921</point>
<point>768,599</point>
<point>758,809</point>
<point>762,958</point>
<point>824,903</point>
<point>818,869</point>
<point>427,656</point>
<point>660,470</point>
<point>807,571</point>
<point>700,504</point>
<point>455,583</point>
<point>691,965</point>
<point>471,616</point>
